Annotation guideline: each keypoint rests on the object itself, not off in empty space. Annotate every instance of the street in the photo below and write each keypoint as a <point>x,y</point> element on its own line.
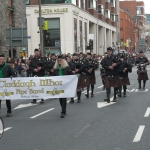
<point>91,125</point>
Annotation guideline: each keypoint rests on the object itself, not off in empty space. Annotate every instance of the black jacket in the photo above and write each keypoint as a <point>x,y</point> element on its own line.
<point>91,64</point>
<point>121,68</point>
<point>141,60</point>
<point>107,62</point>
<point>65,71</point>
<point>8,71</point>
<point>35,63</point>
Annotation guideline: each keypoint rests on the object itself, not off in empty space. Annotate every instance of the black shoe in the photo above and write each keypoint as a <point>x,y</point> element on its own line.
<point>119,95</point>
<point>92,95</point>
<point>114,100</point>
<point>62,115</point>
<point>42,101</point>
<point>124,95</point>
<point>87,96</point>
<point>78,101</point>
<point>71,101</point>
<point>139,87</point>
<point>33,102</point>
<point>108,100</point>
<point>105,100</point>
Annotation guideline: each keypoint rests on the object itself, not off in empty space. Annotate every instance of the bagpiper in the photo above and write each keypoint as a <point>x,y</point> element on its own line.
<point>124,70</point>
<point>77,66</point>
<point>37,68</point>
<point>111,66</point>
<point>141,63</point>
<point>91,66</point>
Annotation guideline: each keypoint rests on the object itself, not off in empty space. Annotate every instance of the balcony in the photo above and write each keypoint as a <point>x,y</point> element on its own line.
<point>93,12</point>
<point>113,10</point>
<point>107,5</point>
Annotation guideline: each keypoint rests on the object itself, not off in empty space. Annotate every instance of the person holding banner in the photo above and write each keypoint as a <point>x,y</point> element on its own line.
<point>37,67</point>
<point>61,68</point>
<point>5,72</point>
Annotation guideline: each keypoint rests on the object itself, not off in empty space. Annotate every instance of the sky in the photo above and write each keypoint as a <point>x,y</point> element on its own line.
<point>147,6</point>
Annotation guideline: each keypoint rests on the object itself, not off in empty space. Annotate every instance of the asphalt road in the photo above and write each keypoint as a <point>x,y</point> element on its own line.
<point>90,125</point>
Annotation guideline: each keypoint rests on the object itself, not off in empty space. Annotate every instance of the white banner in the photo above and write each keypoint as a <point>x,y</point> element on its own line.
<point>38,87</point>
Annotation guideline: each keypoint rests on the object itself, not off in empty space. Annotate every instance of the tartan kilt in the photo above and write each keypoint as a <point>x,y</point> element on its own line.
<point>114,83</point>
<point>125,81</point>
<point>81,82</point>
<point>90,80</point>
<point>142,76</point>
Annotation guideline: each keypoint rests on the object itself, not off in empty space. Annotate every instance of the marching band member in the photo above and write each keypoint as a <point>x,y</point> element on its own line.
<point>91,66</point>
<point>77,66</point>
<point>142,62</point>
<point>61,68</point>
<point>37,67</point>
<point>124,69</point>
<point>5,72</point>
<point>111,74</point>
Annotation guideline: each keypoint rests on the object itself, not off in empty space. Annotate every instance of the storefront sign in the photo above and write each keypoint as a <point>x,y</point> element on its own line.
<point>55,10</point>
<point>38,87</point>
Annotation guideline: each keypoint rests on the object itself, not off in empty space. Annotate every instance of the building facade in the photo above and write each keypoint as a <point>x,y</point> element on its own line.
<point>136,9</point>
<point>72,25</point>
<point>12,14</point>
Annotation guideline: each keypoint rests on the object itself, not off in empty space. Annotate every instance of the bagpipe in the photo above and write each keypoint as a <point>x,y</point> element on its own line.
<point>141,68</point>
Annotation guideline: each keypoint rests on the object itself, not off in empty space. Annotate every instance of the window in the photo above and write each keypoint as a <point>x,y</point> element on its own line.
<point>74,2</point>
<point>81,35</point>
<point>112,3</point>
<point>52,35</point>
<point>75,35</point>
<point>107,1</point>
<point>84,4</point>
<point>85,32</point>
<point>138,10</point>
<point>52,1</point>
<point>27,2</point>
<point>113,18</point>
<point>92,4</point>
<point>80,3</point>
<point>107,14</point>
<point>100,9</point>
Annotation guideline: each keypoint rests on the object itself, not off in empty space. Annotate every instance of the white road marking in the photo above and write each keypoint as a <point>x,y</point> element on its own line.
<point>6,129</point>
<point>139,133</point>
<point>24,105</point>
<point>131,90</point>
<point>137,90</point>
<point>104,104</point>
<point>147,113</point>
<point>101,92</point>
<point>100,86</point>
<point>42,113</point>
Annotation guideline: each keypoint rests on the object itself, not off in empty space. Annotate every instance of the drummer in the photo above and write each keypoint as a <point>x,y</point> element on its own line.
<point>142,75</point>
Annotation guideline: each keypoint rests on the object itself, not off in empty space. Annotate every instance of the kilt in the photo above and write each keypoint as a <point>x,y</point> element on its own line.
<point>143,76</point>
<point>125,81</point>
<point>114,83</point>
<point>90,80</point>
<point>81,82</point>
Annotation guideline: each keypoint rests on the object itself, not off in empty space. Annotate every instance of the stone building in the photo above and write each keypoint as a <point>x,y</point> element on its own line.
<point>12,15</point>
